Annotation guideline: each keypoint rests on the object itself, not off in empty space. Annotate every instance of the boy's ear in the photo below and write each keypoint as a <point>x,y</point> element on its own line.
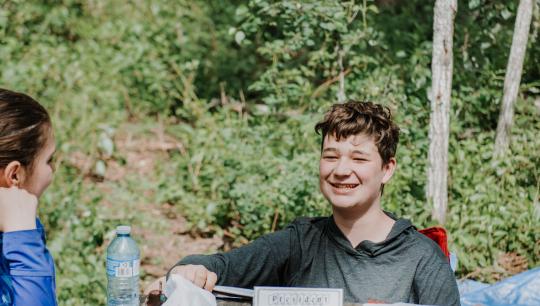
<point>389,168</point>
<point>12,175</point>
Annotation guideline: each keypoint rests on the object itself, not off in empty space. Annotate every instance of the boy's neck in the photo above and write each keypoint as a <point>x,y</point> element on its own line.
<point>371,224</point>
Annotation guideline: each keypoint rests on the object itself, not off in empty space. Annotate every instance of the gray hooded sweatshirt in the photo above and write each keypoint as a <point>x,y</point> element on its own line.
<point>312,252</point>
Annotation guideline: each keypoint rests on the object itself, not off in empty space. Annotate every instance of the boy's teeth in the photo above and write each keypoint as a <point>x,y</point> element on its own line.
<point>345,185</point>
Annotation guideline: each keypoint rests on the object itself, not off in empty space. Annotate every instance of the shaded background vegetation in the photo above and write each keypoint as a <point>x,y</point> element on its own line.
<point>240,85</point>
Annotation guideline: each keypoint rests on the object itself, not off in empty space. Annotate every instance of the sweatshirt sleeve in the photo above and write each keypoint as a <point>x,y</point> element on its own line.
<point>435,283</point>
<point>261,262</point>
<point>31,268</point>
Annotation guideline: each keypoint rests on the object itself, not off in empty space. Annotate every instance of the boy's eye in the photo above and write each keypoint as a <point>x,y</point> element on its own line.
<point>359,159</point>
<point>330,157</point>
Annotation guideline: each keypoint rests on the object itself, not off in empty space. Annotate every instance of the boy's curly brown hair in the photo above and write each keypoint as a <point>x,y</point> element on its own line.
<point>353,118</point>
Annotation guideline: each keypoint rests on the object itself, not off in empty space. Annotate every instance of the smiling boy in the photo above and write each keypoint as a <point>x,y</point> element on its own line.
<point>368,252</point>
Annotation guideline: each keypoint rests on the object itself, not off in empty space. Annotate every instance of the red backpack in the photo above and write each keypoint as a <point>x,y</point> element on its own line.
<point>438,234</point>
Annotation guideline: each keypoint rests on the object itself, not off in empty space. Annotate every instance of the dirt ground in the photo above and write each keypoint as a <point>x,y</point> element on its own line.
<point>170,240</point>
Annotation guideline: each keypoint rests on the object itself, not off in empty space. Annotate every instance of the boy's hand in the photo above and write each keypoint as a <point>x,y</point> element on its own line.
<point>198,275</point>
<point>17,210</point>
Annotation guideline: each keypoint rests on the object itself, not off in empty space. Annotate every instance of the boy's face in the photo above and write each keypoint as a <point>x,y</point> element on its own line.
<point>351,172</point>
<point>42,174</point>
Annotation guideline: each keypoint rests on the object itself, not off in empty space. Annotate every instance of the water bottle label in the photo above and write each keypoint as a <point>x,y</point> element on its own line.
<point>123,268</point>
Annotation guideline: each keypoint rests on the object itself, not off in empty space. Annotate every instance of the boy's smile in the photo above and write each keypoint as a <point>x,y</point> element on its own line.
<point>340,187</point>
<point>351,171</point>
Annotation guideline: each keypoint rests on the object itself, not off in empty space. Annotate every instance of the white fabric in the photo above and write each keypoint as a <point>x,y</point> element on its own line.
<point>181,292</point>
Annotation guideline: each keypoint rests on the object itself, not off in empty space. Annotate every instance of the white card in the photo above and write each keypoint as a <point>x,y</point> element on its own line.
<point>292,296</point>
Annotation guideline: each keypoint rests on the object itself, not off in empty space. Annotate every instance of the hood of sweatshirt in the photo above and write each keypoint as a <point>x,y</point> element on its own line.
<point>399,231</point>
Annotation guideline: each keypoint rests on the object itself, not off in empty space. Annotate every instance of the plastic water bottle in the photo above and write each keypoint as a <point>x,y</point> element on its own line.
<point>123,269</point>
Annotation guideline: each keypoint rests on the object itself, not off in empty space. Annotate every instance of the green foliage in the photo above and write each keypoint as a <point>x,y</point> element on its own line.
<point>235,171</point>
<point>300,43</point>
<point>241,85</point>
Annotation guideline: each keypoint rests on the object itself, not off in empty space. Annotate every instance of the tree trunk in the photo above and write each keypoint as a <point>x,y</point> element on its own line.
<point>342,97</point>
<point>439,95</point>
<point>513,76</point>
